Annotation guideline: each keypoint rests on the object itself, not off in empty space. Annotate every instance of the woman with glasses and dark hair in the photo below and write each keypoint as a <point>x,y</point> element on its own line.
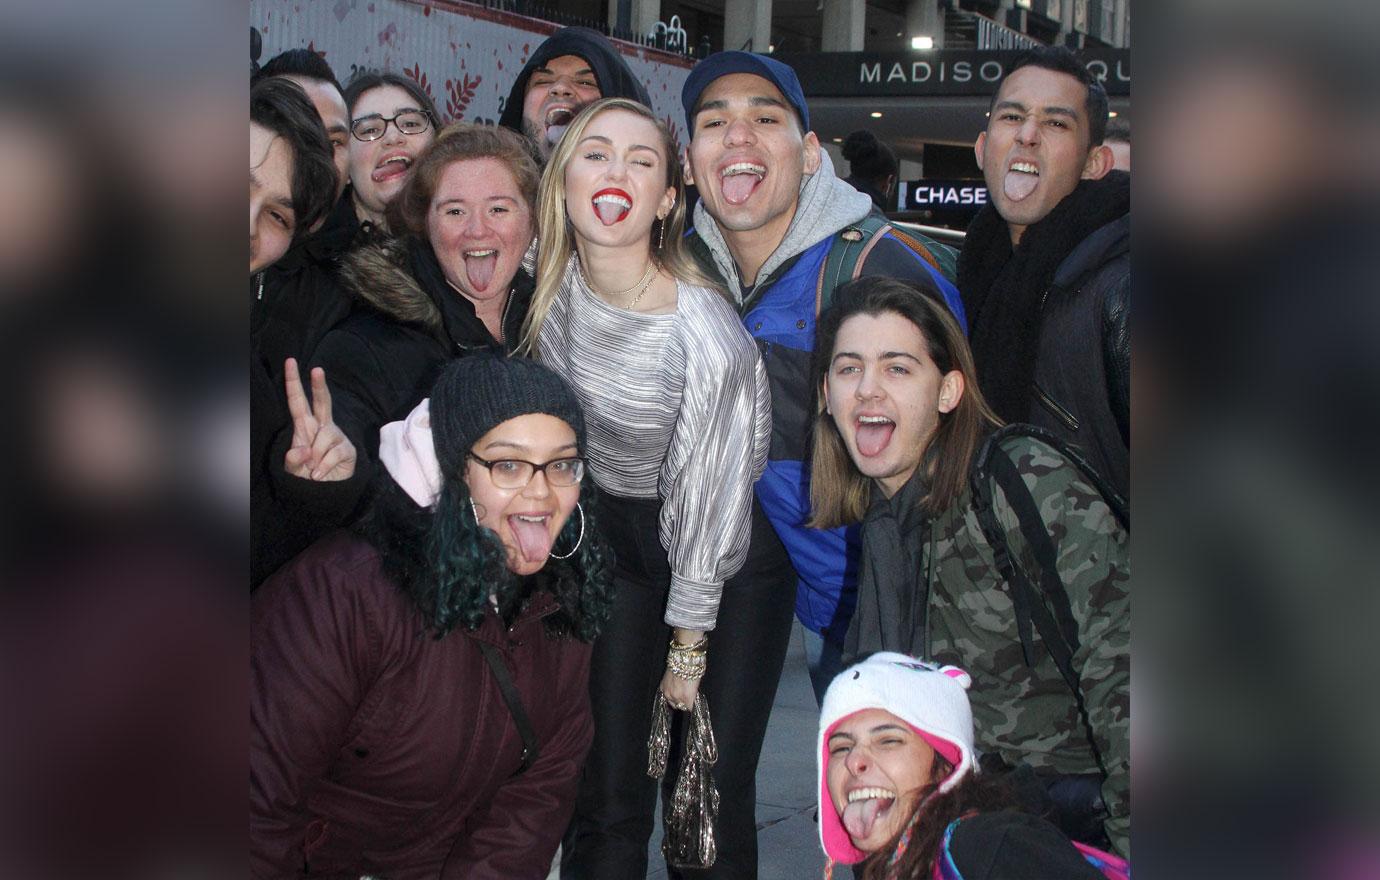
<point>392,121</point>
<point>420,703</point>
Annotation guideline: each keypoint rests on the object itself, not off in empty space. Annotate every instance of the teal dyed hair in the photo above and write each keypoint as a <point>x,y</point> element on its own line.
<point>448,564</point>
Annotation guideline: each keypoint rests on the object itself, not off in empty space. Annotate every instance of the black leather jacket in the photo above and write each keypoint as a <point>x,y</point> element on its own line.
<point>1084,365</point>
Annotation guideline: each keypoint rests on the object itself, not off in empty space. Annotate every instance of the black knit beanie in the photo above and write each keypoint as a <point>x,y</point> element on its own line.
<point>476,393</point>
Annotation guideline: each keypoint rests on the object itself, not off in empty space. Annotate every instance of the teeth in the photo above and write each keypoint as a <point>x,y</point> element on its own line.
<point>1025,167</point>
<point>874,420</point>
<point>609,198</point>
<point>480,253</point>
<point>559,116</point>
<point>744,168</point>
<point>403,159</point>
<point>864,794</point>
<point>535,519</point>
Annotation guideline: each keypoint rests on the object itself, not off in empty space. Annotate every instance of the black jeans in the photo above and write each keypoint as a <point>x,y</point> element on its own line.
<point>607,838</point>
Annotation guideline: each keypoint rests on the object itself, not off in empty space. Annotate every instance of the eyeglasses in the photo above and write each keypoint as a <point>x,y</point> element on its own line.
<point>372,127</point>
<point>516,473</point>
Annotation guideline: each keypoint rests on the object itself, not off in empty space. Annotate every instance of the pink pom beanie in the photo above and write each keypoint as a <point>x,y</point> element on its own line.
<point>932,699</point>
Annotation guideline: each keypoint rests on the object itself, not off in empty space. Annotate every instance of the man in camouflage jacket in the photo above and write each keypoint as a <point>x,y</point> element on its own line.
<point>930,587</point>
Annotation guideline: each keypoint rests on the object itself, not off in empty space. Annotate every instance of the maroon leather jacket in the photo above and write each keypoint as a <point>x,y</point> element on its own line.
<point>377,749</point>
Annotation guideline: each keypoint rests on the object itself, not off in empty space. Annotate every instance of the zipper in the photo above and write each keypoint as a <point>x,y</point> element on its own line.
<point>503,319</point>
<point>260,295</point>
<point>1055,409</point>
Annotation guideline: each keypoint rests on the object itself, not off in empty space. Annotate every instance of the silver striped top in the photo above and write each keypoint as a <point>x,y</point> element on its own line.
<point>676,407</point>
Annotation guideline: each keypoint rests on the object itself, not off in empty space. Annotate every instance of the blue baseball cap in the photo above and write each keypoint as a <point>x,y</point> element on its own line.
<point>723,63</point>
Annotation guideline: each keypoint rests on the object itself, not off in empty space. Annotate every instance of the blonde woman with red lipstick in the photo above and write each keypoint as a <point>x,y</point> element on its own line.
<point>679,413</point>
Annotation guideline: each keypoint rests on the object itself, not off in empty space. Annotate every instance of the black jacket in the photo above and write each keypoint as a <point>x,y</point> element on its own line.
<point>1083,391</point>
<point>616,79</point>
<point>1010,845</point>
<point>1048,320</point>
<point>379,363</point>
<point>298,300</point>
<point>293,305</point>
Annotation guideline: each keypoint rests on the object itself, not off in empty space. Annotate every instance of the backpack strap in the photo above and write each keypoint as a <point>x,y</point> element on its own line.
<point>852,245</point>
<point>530,748</point>
<point>1048,608</point>
<point>842,262</point>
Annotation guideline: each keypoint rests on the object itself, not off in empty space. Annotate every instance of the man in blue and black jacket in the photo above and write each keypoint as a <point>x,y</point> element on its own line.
<point>771,213</point>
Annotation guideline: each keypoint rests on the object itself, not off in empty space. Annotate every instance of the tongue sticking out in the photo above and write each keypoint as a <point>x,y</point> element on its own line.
<point>1018,184</point>
<point>873,438</point>
<point>737,187</point>
<point>481,270</point>
<point>610,212</point>
<point>534,541</point>
<point>389,170</point>
<point>554,132</point>
<point>859,816</point>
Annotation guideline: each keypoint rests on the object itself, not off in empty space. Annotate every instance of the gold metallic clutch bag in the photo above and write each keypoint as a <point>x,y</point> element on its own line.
<point>689,815</point>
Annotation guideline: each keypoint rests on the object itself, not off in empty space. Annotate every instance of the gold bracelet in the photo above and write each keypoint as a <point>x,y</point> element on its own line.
<point>687,665</point>
<point>698,647</point>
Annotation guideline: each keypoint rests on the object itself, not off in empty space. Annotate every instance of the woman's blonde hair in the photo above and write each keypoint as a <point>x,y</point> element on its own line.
<point>555,239</point>
<point>839,492</point>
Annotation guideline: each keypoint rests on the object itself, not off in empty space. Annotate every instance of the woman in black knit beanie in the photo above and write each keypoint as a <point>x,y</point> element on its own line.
<point>420,699</point>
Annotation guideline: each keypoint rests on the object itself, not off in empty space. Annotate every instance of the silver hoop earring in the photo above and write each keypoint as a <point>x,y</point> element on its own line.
<point>474,510</point>
<point>581,511</point>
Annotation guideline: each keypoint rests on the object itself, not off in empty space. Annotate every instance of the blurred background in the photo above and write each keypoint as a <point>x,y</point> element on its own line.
<point>124,484</point>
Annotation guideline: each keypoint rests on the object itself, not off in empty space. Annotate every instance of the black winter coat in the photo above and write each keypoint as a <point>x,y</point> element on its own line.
<point>1082,391</point>
<point>382,361</point>
<point>293,305</point>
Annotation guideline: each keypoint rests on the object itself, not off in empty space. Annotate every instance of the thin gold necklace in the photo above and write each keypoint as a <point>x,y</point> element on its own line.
<point>642,286</point>
<point>646,286</point>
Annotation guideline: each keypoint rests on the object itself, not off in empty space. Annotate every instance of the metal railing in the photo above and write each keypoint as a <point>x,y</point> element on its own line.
<point>663,38</point>
<point>954,237</point>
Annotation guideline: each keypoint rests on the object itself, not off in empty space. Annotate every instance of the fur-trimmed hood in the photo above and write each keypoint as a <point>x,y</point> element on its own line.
<point>378,275</point>
<point>400,278</point>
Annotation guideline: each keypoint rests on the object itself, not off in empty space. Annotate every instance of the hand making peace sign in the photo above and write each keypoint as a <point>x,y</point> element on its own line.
<point>320,450</point>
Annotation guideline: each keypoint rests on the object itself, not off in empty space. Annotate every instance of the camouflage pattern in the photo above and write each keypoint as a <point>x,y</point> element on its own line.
<point>1027,714</point>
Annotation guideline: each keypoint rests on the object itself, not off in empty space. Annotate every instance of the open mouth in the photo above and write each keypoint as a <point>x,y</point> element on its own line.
<point>532,534</point>
<point>557,119</point>
<point>865,807</point>
<point>740,180</point>
<point>392,167</point>
<point>872,434</point>
<point>612,205</point>
<point>1021,180</point>
<point>479,267</point>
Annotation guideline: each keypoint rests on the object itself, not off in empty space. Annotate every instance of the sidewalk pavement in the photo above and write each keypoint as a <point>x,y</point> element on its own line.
<point>787,836</point>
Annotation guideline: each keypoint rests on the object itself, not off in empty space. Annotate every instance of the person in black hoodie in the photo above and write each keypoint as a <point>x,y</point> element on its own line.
<point>1045,271</point>
<point>574,67</point>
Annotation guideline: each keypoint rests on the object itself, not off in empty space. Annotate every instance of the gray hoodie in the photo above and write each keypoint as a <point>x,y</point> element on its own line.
<point>826,205</point>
